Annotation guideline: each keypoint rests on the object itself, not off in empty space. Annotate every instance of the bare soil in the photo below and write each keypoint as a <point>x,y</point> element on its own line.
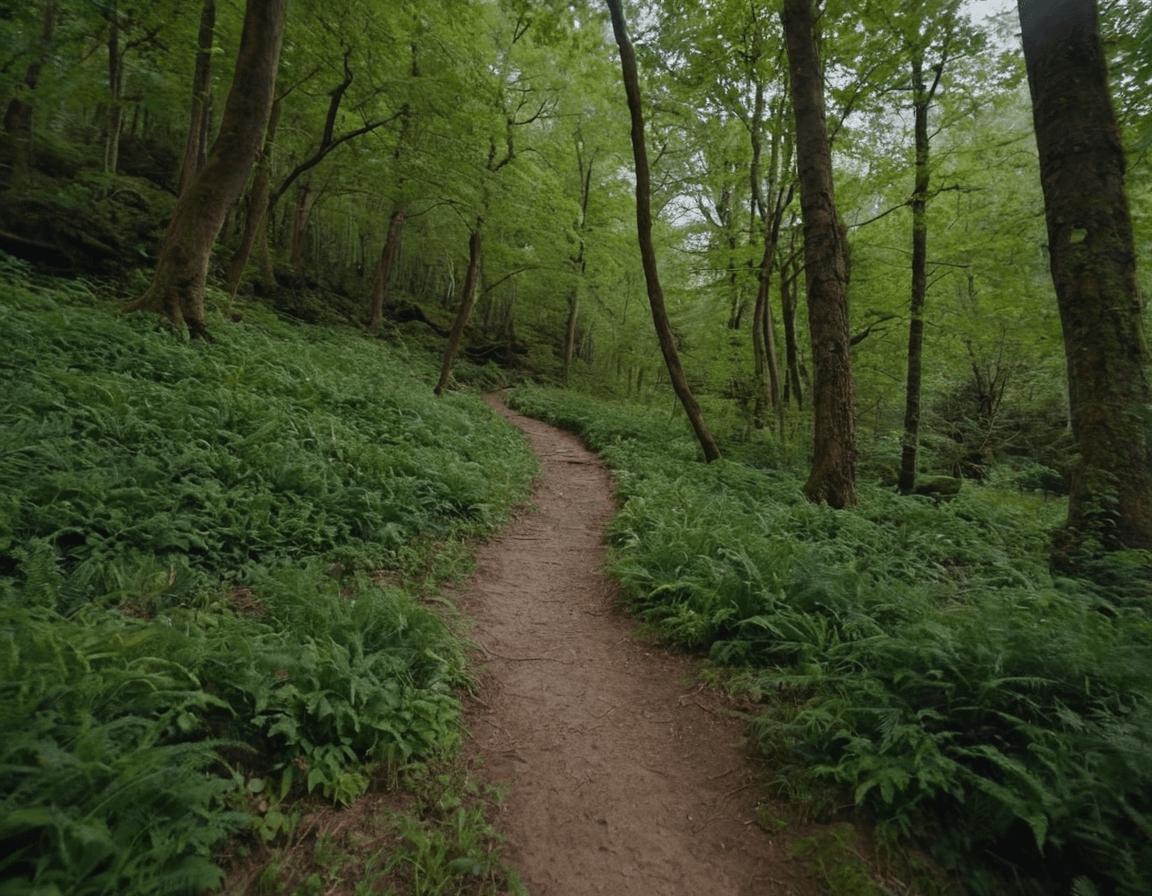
<point>628,775</point>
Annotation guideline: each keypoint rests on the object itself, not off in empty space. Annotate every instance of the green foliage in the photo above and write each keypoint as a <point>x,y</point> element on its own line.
<point>192,542</point>
<point>328,680</point>
<point>103,762</point>
<point>833,860</point>
<point>918,654</point>
<point>118,443</point>
<point>442,843</point>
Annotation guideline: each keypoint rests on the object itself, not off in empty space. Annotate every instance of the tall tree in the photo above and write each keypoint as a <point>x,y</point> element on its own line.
<point>833,475</point>
<point>1093,265</point>
<point>922,33</point>
<point>177,288</point>
<point>644,232</point>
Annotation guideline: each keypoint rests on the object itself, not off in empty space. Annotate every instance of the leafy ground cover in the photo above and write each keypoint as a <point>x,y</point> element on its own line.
<point>917,654</point>
<point>212,565</point>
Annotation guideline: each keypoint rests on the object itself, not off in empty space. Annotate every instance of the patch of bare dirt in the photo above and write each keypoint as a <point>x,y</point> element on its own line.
<point>627,775</point>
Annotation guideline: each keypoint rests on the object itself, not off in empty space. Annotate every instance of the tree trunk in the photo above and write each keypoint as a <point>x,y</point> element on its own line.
<point>910,444</point>
<point>17,134</point>
<point>1093,265</point>
<point>300,216</point>
<point>256,220</point>
<point>579,260</point>
<point>116,88</point>
<point>201,85</point>
<point>764,334</point>
<point>792,387</point>
<point>570,329</point>
<point>833,475</point>
<point>388,255</point>
<point>464,312</point>
<point>644,232</point>
<point>177,288</point>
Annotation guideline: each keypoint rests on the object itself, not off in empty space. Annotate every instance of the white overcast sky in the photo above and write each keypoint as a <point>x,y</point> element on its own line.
<point>978,9</point>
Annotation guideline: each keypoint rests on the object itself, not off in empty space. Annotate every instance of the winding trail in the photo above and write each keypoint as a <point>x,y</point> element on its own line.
<point>627,776</point>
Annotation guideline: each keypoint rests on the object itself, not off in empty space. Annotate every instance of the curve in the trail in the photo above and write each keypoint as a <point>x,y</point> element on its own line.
<point>627,777</point>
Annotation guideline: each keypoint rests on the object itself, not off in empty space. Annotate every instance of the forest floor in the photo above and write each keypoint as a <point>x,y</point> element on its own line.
<point>628,774</point>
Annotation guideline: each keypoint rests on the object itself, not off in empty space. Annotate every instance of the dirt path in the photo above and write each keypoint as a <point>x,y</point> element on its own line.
<point>627,778</point>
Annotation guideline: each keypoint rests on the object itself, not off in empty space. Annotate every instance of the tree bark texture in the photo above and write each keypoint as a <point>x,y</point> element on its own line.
<point>1093,265</point>
<point>201,85</point>
<point>833,475</point>
<point>256,220</point>
<point>464,312</point>
<point>177,288</point>
<point>644,232</point>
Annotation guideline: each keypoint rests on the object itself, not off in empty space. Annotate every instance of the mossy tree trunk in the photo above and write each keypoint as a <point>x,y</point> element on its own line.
<point>1093,265</point>
<point>177,288</point>
<point>833,475</point>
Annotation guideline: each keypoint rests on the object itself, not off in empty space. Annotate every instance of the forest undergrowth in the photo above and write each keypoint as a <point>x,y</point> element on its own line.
<point>217,566</point>
<point>914,658</point>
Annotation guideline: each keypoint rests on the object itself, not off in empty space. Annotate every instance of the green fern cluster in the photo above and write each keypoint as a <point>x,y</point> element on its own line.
<point>190,539</point>
<point>325,683</point>
<point>103,766</point>
<point>117,441</point>
<point>921,656</point>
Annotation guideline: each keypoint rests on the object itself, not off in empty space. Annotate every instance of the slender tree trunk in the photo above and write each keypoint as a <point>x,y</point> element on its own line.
<point>770,209</point>
<point>833,476</point>
<point>116,88</point>
<point>201,85</point>
<point>1093,264</point>
<point>177,289</point>
<point>579,261</point>
<point>303,211</point>
<point>464,312</point>
<point>764,332</point>
<point>570,329</point>
<point>792,387</point>
<point>18,116</point>
<point>388,255</point>
<point>644,232</point>
<point>910,444</point>
<point>256,220</point>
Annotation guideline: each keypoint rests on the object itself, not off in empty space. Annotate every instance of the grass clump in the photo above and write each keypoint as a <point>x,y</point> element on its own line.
<point>211,564</point>
<point>919,655</point>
